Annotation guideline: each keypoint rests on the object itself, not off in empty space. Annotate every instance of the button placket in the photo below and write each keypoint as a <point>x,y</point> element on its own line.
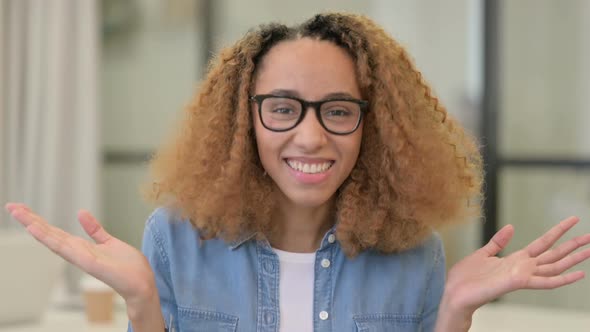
<point>268,288</point>
<point>323,287</point>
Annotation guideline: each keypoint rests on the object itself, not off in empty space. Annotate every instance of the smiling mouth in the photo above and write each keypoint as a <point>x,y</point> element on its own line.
<point>309,168</point>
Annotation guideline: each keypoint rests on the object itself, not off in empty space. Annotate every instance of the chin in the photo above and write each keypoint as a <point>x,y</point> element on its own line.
<point>308,200</point>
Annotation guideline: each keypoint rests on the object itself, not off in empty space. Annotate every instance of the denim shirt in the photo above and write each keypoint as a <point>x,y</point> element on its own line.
<point>215,286</point>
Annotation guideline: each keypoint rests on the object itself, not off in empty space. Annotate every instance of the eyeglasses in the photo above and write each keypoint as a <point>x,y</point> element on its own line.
<point>339,116</point>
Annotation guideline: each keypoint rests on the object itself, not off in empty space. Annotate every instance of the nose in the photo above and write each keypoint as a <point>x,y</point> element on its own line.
<point>310,136</point>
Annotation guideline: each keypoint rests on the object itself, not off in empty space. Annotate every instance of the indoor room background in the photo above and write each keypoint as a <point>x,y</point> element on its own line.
<point>515,73</point>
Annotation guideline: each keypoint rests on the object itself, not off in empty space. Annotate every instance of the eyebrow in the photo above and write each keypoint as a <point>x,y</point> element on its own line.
<point>293,93</point>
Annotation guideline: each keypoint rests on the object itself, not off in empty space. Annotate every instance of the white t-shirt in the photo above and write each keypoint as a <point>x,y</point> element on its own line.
<point>296,291</point>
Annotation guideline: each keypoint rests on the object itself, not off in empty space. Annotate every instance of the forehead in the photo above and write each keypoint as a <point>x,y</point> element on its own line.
<point>313,68</point>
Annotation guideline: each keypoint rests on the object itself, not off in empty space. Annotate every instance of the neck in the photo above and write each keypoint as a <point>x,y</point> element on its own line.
<point>301,229</point>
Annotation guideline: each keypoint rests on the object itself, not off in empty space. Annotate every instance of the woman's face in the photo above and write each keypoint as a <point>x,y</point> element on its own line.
<point>307,163</point>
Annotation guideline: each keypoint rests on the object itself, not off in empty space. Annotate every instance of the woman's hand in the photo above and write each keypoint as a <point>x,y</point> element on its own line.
<point>482,277</point>
<point>110,260</point>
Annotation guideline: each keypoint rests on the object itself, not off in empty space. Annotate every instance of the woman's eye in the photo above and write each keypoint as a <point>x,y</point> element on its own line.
<point>338,113</point>
<point>283,110</point>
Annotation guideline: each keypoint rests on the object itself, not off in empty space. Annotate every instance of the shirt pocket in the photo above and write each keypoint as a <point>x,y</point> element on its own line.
<point>387,323</point>
<point>193,320</point>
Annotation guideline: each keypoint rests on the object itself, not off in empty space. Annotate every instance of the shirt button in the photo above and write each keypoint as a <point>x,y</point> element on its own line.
<point>325,263</point>
<point>269,267</point>
<point>331,238</point>
<point>323,315</point>
<point>269,318</point>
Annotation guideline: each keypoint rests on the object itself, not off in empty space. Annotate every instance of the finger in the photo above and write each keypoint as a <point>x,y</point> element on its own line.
<point>50,236</point>
<point>546,241</point>
<point>47,238</point>
<point>27,218</point>
<point>563,265</point>
<point>554,282</point>
<point>563,250</point>
<point>92,227</point>
<point>73,249</point>
<point>499,241</point>
<point>13,206</point>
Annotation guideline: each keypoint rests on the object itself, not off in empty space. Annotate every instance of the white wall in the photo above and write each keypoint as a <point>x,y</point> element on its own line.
<point>149,72</point>
<point>545,113</point>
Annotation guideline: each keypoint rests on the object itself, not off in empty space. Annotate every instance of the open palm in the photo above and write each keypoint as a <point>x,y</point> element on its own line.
<point>109,259</point>
<point>482,276</point>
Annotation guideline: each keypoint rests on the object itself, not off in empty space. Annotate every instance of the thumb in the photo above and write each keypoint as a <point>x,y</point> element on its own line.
<point>92,227</point>
<point>499,241</point>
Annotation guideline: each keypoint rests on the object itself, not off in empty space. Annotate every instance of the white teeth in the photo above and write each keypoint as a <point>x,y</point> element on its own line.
<point>306,168</point>
<point>309,168</point>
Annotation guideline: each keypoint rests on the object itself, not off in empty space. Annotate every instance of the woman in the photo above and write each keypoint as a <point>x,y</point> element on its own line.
<point>315,163</point>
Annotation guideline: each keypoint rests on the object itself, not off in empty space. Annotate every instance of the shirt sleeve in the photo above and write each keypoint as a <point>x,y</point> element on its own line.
<point>435,286</point>
<point>154,248</point>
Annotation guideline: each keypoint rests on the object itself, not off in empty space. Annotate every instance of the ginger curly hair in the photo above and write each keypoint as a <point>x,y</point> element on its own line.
<point>417,168</point>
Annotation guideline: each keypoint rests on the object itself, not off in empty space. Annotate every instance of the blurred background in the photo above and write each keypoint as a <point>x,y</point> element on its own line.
<point>90,88</point>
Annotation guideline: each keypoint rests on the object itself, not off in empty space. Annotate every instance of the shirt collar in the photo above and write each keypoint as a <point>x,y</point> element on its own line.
<point>249,235</point>
<point>245,237</point>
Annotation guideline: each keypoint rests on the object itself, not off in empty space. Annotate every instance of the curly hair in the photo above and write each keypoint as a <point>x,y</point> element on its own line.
<point>417,168</point>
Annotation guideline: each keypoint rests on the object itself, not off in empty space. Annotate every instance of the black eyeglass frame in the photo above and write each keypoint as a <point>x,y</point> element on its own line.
<point>316,105</point>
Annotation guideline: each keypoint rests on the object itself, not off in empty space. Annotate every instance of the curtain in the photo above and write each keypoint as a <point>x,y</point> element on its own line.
<point>49,144</point>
